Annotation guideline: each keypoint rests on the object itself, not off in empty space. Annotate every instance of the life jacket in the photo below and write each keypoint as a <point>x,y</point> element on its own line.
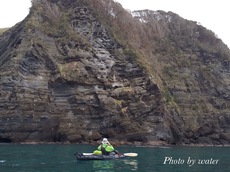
<point>104,152</point>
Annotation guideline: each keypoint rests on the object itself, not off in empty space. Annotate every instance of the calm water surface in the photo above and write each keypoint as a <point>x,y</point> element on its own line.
<point>60,158</point>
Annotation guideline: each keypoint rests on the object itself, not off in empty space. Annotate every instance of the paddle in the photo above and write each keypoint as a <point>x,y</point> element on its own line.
<point>131,154</point>
<point>87,153</point>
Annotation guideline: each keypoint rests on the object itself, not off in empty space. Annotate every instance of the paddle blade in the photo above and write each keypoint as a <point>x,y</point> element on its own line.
<point>87,153</point>
<point>131,154</point>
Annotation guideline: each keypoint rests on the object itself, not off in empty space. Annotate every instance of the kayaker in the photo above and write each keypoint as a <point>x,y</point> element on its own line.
<point>105,148</point>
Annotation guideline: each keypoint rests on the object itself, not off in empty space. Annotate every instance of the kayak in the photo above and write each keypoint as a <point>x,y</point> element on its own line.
<point>84,156</point>
<point>91,156</point>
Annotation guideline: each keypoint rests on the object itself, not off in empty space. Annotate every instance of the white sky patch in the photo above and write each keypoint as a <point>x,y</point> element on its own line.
<point>13,11</point>
<point>169,18</point>
<point>111,12</point>
<point>140,16</point>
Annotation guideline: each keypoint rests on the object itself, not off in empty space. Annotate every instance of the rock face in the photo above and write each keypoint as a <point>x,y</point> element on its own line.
<point>194,67</point>
<point>80,70</point>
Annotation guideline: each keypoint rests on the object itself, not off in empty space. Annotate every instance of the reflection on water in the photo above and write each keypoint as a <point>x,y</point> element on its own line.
<point>100,165</point>
<point>132,163</point>
<point>114,165</point>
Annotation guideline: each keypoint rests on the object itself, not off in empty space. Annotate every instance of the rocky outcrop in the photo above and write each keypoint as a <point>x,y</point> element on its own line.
<point>194,67</point>
<point>76,84</point>
<point>81,70</point>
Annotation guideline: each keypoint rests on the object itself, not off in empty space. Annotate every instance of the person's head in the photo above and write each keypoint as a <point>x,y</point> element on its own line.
<point>105,141</point>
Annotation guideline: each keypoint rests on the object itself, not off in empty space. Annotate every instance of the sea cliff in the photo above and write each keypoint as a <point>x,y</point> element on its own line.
<point>80,70</point>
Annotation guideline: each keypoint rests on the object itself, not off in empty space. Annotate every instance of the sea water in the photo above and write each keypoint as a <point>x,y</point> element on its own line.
<point>60,158</point>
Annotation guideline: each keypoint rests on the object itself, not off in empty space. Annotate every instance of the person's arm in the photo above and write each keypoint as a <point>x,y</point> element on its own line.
<point>109,148</point>
<point>99,147</point>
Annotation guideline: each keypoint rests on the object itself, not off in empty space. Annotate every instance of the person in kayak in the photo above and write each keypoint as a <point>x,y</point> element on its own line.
<point>105,148</point>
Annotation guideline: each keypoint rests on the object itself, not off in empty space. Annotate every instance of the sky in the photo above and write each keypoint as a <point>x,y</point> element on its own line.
<point>212,14</point>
